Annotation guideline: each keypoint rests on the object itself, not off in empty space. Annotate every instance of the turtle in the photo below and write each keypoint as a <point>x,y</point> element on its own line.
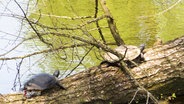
<point>132,53</point>
<point>41,82</point>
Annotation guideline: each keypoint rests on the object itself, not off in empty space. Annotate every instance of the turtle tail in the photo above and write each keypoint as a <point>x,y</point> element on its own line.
<point>60,86</point>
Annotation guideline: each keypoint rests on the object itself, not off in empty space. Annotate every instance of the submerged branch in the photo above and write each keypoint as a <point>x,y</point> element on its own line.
<point>111,23</point>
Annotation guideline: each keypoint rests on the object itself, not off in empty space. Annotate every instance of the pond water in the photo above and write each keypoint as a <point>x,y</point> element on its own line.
<point>138,21</point>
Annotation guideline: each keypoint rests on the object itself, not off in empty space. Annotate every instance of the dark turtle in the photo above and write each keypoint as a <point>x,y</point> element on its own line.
<point>133,53</point>
<point>40,82</point>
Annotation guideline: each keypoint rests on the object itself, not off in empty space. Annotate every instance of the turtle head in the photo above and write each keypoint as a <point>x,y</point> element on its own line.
<point>56,73</point>
<point>142,46</point>
<point>25,86</point>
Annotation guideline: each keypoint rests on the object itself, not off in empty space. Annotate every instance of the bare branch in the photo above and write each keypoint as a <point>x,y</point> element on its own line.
<point>17,77</point>
<point>34,29</point>
<point>97,24</point>
<point>40,52</point>
<point>111,24</point>
<point>63,17</point>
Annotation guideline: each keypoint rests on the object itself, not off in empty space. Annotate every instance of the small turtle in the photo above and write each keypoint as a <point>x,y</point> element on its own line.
<point>41,82</point>
<point>132,53</point>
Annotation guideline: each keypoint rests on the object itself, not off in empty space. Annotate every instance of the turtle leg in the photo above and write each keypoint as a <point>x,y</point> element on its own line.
<point>136,61</point>
<point>139,59</point>
<point>142,57</point>
<point>128,63</point>
<point>30,94</point>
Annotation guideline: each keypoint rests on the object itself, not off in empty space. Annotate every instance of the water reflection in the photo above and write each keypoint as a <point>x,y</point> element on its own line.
<point>144,20</point>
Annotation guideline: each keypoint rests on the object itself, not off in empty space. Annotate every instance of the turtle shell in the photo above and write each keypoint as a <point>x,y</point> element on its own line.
<point>40,82</point>
<point>132,52</point>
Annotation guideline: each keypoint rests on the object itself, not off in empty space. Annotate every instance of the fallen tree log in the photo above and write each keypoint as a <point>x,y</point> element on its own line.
<point>162,73</point>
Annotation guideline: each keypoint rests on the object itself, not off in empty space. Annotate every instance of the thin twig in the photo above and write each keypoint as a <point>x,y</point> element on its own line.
<point>97,24</point>
<point>40,52</point>
<point>34,29</point>
<point>80,61</point>
<point>134,96</point>
<point>17,77</point>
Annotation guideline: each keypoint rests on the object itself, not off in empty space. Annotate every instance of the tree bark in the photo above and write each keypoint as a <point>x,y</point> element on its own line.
<point>162,73</point>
